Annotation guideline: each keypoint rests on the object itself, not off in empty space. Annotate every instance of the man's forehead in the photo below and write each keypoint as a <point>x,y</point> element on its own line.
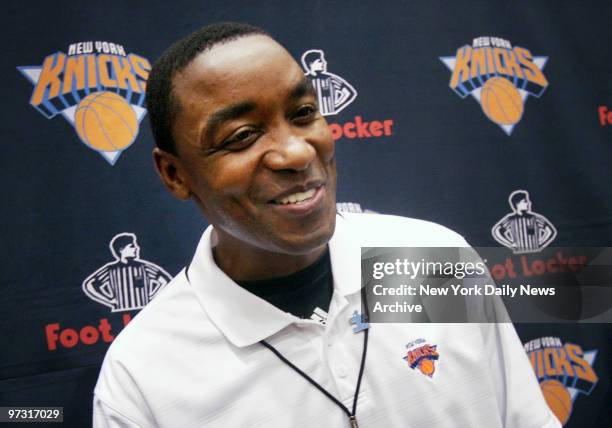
<point>233,79</point>
<point>233,59</point>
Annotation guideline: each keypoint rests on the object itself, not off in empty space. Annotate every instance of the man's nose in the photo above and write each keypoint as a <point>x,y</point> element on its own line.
<point>293,152</point>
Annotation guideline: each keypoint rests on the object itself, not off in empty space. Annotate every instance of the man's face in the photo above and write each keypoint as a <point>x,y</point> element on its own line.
<point>256,154</point>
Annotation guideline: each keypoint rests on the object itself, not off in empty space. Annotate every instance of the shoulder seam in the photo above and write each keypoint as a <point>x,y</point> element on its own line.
<point>114,409</point>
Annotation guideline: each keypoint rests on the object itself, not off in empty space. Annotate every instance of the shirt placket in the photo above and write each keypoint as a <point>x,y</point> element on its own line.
<point>337,358</point>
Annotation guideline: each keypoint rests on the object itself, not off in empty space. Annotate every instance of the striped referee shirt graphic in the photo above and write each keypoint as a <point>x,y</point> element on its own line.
<point>527,233</point>
<point>325,93</point>
<point>333,93</point>
<point>126,286</point>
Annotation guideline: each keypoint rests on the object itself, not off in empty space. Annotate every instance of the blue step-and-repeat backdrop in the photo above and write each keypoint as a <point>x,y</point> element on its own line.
<point>441,110</point>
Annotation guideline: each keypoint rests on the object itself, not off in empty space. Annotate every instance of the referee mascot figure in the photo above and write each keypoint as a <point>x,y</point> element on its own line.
<point>128,283</point>
<point>523,231</point>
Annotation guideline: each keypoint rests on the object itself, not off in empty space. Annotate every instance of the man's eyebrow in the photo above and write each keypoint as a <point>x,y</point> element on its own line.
<point>225,114</point>
<point>304,87</point>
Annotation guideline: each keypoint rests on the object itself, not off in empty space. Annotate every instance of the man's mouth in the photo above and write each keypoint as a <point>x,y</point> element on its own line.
<point>296,198</point>
<point>300,200</point>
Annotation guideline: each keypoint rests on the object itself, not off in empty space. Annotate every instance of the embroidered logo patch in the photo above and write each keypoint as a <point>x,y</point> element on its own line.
<point>359,322</point>
<point>423,356</point>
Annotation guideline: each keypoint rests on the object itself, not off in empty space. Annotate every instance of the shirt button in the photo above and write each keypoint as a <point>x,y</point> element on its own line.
<point>342,371</point>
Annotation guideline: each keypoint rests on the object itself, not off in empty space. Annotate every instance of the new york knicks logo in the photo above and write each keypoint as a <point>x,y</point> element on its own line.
<point>523,231</point>
<point>127,283</point>
<point>564,371</point>
<point>422,356</point>
<point>98,88</point>
<point>333,92</point>
<point>499,76</point>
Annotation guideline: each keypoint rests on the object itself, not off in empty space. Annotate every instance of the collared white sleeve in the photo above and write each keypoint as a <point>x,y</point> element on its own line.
<point>520,400</point>
<point>104,416</point>
<point>118,400</point>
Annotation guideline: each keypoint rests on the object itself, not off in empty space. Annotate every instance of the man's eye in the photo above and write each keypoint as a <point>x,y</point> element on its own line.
<point>241,139</point>
<point>305,114</point>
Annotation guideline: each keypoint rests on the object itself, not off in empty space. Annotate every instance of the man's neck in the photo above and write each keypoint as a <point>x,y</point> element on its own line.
<point>243,262</point>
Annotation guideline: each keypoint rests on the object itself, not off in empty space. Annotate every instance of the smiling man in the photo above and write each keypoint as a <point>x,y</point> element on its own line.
<point>251,149</point>
<point>262,327</point>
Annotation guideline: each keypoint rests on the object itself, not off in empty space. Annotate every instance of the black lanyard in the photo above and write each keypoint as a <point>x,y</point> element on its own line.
<point>351,415</point>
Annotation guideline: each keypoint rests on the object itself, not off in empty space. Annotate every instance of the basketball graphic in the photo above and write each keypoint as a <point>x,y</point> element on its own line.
<point>488,70</point>
<point>106,122</point>
<point>501,101</point>
<point>558,399</point>
<point>423,356</point>
<point>427,367</point>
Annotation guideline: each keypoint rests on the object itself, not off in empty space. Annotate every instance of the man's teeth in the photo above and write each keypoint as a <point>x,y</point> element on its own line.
<point>296,197</point>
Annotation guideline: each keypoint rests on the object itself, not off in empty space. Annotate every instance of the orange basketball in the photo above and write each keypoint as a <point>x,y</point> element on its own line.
<point>105,121</point>
<point>501,101</point>
<point>558,399</point>
<point>427,367</point>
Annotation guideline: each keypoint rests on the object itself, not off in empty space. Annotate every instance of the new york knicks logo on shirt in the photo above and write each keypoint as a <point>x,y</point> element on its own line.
<point>127,283</point>
<point>523,231</point>
<point>98,88</point>
<point>564,371</point>
<point>333,92</point>
<point>422,356</point>
<point>499,76</point>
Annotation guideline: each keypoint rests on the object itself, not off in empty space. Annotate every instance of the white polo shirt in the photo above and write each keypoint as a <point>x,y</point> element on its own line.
<point>192,357</point>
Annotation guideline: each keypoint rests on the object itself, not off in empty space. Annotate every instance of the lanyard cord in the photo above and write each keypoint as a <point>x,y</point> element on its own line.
<point>351,415</point>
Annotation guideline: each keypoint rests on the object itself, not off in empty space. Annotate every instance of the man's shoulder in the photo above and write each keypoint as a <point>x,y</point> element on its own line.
<point>392,230</point>
<point>173,311</point>
<point>162,342</point>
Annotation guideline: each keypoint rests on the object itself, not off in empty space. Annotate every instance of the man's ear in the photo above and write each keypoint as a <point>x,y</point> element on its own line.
<point>171,173</point>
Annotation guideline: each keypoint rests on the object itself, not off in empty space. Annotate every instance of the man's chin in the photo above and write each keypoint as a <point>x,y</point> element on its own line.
<point>305,242</point>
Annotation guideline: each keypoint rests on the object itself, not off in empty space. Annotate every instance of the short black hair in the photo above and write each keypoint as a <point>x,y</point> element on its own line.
<point>161,104</point>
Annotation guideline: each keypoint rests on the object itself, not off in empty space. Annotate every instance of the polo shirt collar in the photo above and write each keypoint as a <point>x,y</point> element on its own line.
<point>245,318</point>
<point>345,255</point>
